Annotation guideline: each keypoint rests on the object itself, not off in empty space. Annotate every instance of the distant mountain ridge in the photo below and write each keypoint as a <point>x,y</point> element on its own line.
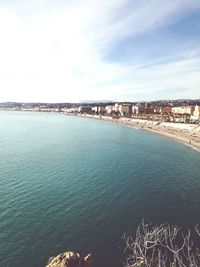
<point>160,103</point>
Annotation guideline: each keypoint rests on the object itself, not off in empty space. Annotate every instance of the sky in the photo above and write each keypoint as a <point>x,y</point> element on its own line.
<point>119,50</point>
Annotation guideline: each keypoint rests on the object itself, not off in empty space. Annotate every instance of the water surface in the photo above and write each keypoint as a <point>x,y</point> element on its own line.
<point>68,183</point>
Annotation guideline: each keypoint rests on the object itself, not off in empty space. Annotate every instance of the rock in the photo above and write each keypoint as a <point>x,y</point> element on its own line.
<point>70,259</point>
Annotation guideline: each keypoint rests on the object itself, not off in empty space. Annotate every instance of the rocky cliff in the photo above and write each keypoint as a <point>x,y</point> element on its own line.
<point>70,259</point>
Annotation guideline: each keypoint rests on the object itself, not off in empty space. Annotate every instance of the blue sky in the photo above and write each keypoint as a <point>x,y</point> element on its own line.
<point>120,50</point>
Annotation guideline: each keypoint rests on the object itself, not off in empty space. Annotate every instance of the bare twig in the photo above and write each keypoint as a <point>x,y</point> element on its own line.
<point>162,246</point>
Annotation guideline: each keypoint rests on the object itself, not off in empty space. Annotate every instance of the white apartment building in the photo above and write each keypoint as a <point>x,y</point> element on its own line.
<point>135,110</point>
<point>183,110</point>
<point>98,109</point>
<point>196,114</point>
<point>109,109</point>
<point>101,109</point>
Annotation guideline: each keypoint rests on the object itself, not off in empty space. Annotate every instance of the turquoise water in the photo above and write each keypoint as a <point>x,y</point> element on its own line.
<point>68,183</point>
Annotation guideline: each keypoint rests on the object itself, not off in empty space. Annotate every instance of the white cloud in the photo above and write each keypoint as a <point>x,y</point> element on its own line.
<point>56,52</point>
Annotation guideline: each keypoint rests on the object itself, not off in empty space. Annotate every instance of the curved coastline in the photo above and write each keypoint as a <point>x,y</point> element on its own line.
<point>187,134</point>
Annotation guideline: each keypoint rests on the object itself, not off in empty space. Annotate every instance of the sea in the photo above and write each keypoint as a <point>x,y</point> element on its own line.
<point>75,184</point>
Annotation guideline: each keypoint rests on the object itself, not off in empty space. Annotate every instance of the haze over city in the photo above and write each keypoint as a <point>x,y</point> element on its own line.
<point>58,51</point>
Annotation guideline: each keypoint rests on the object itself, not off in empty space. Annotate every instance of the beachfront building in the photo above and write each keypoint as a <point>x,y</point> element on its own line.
<point>135,110</point>
<point>183,110</point>
<point>138,109</point>
<point>116,108</point>
<point>125,109</point>
<point>70,110</point>
<point>149,110</point>
<point>98,109</point>
<point>109,109</point>
<point>183,113</point>
<point>166,113</point>
<point>157,110</point>
<point>95,109</point>
<point>85,109</point>
<point>197,111</point>
<point>196,114</point>
<point>166,110</point>
<point>101,109</point>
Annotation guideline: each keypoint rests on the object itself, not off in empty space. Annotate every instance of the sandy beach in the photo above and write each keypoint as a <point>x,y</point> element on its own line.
<point>189,134</point>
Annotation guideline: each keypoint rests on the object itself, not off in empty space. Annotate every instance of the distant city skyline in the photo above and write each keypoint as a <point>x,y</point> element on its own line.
<point>120,50</point>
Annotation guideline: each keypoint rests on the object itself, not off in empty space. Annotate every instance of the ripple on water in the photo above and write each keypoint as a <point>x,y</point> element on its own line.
<point>71,183</point>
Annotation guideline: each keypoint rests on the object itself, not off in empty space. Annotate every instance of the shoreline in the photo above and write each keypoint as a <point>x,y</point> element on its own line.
<point>187,134</point>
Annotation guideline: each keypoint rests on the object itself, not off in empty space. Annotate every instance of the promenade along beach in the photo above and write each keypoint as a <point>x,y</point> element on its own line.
<point>189,134</point>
